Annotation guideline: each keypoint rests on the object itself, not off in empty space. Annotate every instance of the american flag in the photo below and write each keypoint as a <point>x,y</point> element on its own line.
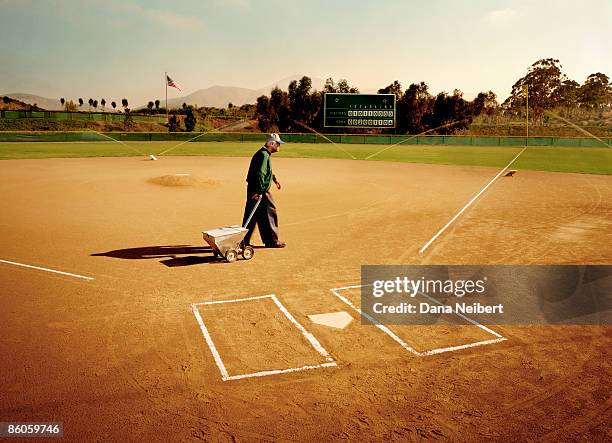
<point>172,83</point>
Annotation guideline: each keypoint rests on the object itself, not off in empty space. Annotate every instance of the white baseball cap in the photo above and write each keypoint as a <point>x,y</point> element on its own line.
<point>274,137</point>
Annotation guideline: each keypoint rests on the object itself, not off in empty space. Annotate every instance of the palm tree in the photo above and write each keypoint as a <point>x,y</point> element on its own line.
<point>124,102</point>
<point>80,102</point>
<point>62,101</point>
<point>114,105</point>
<point>95,104</point>
<point>157,105</point>
<point>90,101</point>
<point>150,107</point>
<point>103,103</point>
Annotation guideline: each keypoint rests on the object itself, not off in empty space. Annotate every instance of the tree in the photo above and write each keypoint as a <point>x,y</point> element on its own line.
<point>150,107</point>
<point>301,101</point>
<point>128,120</point>
<point>157,105</point>
<point>190,119</point>
<point>451,110</point>
<point>95,104</point>
<point>262,112</point>
<point>124,102</point>
<point>90,102</point>
<point>413,108</point>
<point>103,103</point>
<point>80,102</point>
<point>596,91</point>
<point>114,104</point>
<point>279,110</point>
<point>543,80</point>
<point>485,102</point>
<point>70,106</point>
<point>393,88</point>
<point>173,124</point>
<point>62,101</point>
<point>342,86</point>
<point>568,96</point>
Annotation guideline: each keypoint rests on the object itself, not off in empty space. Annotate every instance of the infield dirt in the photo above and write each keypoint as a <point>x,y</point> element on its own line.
<point>122,357</point>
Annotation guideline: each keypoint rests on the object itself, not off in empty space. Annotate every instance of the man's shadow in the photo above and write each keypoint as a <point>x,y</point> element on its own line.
<point>170,253</point>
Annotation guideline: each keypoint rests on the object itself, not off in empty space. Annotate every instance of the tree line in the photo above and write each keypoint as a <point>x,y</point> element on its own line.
<point>70,106</point>
<point>418,111</point>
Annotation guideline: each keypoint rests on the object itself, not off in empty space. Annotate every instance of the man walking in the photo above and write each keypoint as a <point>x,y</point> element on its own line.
<point>259,179</point>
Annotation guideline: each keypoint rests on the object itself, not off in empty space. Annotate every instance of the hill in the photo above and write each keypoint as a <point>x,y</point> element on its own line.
<point>220,96</point>
<point>17,105</point>
<point>49,104</point>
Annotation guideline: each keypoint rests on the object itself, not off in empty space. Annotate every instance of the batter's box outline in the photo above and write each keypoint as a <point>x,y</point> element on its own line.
<point>217,357</point>
<point>498,337</point>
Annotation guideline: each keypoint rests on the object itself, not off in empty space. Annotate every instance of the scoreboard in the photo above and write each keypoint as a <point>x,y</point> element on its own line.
<point>359,110</point>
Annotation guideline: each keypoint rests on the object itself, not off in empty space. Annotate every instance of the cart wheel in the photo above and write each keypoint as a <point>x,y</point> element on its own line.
<point>231,255</point>
<point>248,252</point>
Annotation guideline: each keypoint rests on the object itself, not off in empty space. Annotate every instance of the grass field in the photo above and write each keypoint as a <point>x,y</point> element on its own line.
<point>580,160</point>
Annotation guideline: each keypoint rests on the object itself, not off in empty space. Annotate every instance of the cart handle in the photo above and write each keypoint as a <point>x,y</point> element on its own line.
<point>253,211</point>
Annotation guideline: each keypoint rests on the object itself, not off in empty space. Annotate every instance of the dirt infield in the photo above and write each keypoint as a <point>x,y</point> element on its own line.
<point>121,357</point>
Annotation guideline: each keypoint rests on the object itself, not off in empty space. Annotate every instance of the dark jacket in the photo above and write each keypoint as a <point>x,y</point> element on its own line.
<point>259,177</point>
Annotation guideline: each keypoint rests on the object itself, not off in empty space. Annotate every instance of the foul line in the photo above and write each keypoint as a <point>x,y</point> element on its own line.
<point>201,135</point>
<point>224,373</point>
<point>469,204</point>
<point>46,269</point>
<point>414,136</point>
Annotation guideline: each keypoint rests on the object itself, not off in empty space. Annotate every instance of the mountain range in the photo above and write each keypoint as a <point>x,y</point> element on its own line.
<point>217,96</point>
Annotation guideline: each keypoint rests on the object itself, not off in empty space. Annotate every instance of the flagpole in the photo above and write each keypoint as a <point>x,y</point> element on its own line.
<point>166,82</point>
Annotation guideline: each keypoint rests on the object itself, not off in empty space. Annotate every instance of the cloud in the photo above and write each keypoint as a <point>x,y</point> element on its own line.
<point>167,18</point>
<point>500,16</point>
<point>235,3</point>
<point>172,19</point>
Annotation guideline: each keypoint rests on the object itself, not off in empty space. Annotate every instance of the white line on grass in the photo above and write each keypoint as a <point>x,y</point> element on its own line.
<point>198,136</point>
<point>468,204</point>
<point>413,136</point>
<point>46,269</point>
<point>309,337</point>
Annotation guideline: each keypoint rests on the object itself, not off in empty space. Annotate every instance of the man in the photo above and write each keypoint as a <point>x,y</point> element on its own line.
<point>259,180</point>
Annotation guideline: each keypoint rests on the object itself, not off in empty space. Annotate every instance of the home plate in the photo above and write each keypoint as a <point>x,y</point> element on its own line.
<point>339,320</point>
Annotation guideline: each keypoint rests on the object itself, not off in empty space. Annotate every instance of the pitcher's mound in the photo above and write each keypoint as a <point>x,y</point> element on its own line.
<point>175,180</point>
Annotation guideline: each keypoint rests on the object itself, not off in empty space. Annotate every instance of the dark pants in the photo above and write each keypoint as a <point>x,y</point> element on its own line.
<point>265,217</point>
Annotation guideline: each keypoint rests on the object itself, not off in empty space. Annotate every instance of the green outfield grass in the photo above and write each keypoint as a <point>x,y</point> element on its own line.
<point>581,160</point>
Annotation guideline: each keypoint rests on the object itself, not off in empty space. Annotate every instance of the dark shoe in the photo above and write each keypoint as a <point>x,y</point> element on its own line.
<point>280,244</point>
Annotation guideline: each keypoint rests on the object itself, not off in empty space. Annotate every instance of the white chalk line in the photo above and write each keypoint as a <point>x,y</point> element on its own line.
<point>404,345</point>
<point>383,328</point>
<point>468,204</point>
<point>198,136</point>
<point>311,338</point>
<point>210,343</point>
<point>279,371</point>
<point>46,270</point>
<point>217,357</point>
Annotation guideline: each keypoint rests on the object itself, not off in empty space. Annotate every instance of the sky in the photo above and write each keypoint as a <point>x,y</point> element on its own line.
<point>121,48</point>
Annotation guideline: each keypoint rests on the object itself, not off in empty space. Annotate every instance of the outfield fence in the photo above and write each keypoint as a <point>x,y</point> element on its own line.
<point>79,116</point>
<point>443,140</point>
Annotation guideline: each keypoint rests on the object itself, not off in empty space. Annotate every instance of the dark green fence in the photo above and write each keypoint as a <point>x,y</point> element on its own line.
<point>91,116</point>
<point>442,140</point>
